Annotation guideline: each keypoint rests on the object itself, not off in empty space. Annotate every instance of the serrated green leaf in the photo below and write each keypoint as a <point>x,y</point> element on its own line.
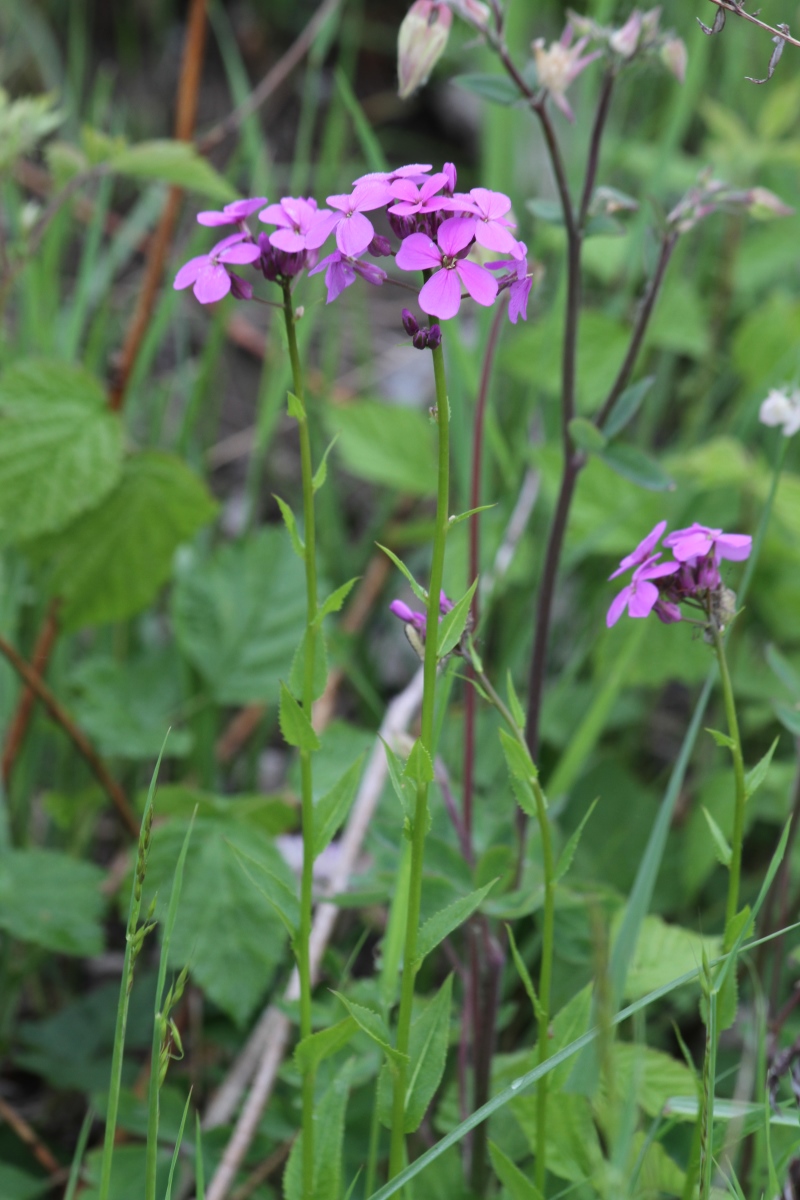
<point>626,406</point>
<point>291,525</point>
<point>51,900</point>
<point>418,591</point>
<point>239,615</point>
<point>427,1051</point>
<point>586,435</point>
<point>519,770</point>
<point>373,1025</point>
<point>295,407</point>
<point>60,447</point>
<point>281,898</point>
<point>329,1126</point>
<point>295,725</point>
<point>514,705</point>
<point>174,162</point>
<point>320,674</point>
<point>632,463</point>
<point>419,767</point>
<point>524,974</point>
<point>471,512</point>
<point>721,739</point>
<point>754,779</point>
<point>453,623</point>
<point>334,602</point>
<point>24,122</point>
<point>312,1050</point>
<point>497,89</point>
<point>321,473</point>
<point>110,562</point>
<point>331,810</point>
<point>721,847</point>
<point>568,853</point>
<point>518,1186</point>
<point>437,927</point>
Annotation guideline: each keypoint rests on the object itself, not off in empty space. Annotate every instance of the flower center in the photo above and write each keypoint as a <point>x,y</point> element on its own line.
<point>448,262</point>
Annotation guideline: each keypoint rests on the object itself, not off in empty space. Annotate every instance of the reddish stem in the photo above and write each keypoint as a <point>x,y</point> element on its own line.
<point>21,719</point>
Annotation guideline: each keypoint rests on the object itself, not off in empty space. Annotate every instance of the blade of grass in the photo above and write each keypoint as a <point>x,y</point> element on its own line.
<point>77,1158</point>
<point>199,1173</point>
<point>177,1150</point>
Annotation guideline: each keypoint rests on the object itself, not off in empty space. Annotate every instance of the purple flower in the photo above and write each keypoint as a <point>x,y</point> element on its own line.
<point>341,270</point>
<point>415,171</point>
<point>354,231</point>
<point>642,551</point>
<point>699,541</point>
<point>666,611</point>
<point>280,264</point>
<point>239,210</point>
<point>412,200</point>
<point>491,226</point>
<point>294,217</point>
<point>441,295</point>
<point>641,595</point>
<point>401,610</point>
<point>519,282</point>
<point>211,280</point>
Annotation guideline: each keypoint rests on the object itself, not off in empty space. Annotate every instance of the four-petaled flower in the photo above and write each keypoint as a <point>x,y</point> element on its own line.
<point>354,231</point>
<point>294,217</point>
<point>208,275</point>
<point>340,272</point>
<point>560,65</point>
<point>239,210</point>
<point>641,594</point>
<point>642,552</point>
<point>412,199</point>
<point>698,541</point>
<point>441,294</point>
<point>491,228</point>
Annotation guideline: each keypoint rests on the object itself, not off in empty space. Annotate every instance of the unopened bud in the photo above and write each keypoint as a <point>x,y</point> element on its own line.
<point>625,41</point>
<point>420,43</point>
<point>650,24</point>
<point>449,170</point>
<point>764,204</point>
<point>674,57</point>
<point>473,11</point>
<point>434,337</point>
<point>380,246</point>
<point>241,289</point>
<point>409,322</point>
<point>420,339</point>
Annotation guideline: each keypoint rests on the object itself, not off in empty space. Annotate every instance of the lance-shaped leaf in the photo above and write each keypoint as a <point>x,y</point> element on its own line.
<point>626,406</point>
<point>418,768</point>
<point>437,927</point>
<point>568,853</point>
<point>418,591</point>
<point>399,783</point>
<point>524,974</point>
<point>335,601</point>
<point>331,810</point>
<point>291,525</point>
<point>314,1049</point>
<point>329,1120</point>
<point>427,1052</point>
<point>374,1026</point>
<point>753,779</point>
<point>297,680</point>
<point>518,1186</point>
<point>721,846</point>
<point>453,624</point>
<point>295,725</point>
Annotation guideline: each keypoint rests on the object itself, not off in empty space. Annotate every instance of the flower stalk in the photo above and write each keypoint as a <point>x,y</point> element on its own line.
<point>306,776</point>
<point>735,869</point>
<point>420,822</point>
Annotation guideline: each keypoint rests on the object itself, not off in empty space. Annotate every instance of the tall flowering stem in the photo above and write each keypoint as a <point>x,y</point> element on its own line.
<point>735,870</point>
<point>420,824</point>
<point>304,928</point>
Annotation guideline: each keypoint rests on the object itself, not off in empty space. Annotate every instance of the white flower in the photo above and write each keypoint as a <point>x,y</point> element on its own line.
<point>781,408</point>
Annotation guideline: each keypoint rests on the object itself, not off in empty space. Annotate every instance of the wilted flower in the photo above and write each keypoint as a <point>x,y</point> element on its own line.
<point>781,408</point>
<point>441,295</point>
<point>207,272</point>
<point>420,43</point>
<point>763,204</point>
<point>560,65</point>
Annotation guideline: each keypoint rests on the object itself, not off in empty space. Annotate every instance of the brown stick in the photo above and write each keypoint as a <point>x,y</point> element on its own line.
<point>271,81</point>
<point>59,714</point>
<point>28,1135</point>
<point>21,719</point>
<point>739,12</point>
<point>188,90</point>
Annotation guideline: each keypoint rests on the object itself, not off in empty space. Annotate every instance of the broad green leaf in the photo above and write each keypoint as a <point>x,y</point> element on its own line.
<point>657,1076</point>
<point>453,624</point>
<point>632,463</point>
<point>568,853</point>
<point>226,931</point>
<point>239,616</point>
<point>418,768</point>
<point>721,847</point>
<point>428,1045</point>
<point>573,1149</point>
<point>390,444</point>
<point>60,447</point>
<point>270,814</point>
<point>662,953</point>
<point>373,1025</point>
<point>173,162</point>
<point>518,1186</point>
<point>51,900</point>
<point>291,525</point>
<point>721,739</point>
<point>497,89</point>
<point>320,668</point>
<point>314,1049</point>
<point>295,725</point>
<point>329,1125</point>
<point>335,601</point>
<point>418,591</point>
<point>753,779</point>
<point>586,435</point>
<point>437,927</point>
<point>331,810</point>
<point>110,562</point>
<point>281,897</point>
<point>626,406</point>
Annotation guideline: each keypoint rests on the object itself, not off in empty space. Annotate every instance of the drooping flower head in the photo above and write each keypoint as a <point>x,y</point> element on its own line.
<point>420,43</point>
<point>441,294</point>
<point>206,273</point>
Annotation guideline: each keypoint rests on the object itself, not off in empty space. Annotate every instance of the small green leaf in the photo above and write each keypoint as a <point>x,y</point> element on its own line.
<point>568,853</point>
<point>754,779</point>
<point>471,512</point>
<point>516,709</point>
<point>396,773</point>
<point>312,1050</point>
<point>519,768</point>
<point>374,1026</point>
<point>518,1186</point>
<point>418,768</point>
<point>497,89</point>
<point>291,524</point>
<point>632,463</point>
<point>275,891</point>
<point>295,725</point>
<point>626,406</point>
<point>335,601</point>
<point>296,407</point>
<point>721,739</point>
<point>418,591</point>
<point>586,435</point>
<point>297,673</point>
<point>321,473</point>
<point>437,927</point>
<point>453,624</point>
<point>524,974</point>
<point>721,847</point>
<point>331,810</point>
<point>329,1126</point>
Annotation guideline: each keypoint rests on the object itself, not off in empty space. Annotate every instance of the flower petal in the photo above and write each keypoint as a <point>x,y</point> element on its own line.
<point>479,283</point>
<point>642,599</point>
<point>353,234</point>
<point>322,228</point>
<point>490,204</point>
<point>496,237</point>
<point>455,234</point>
<point>735,547</point>
<point>189,272</point>
<point>617,606</point>
<point>245,252</point>
<point>213,282</point>
<point>418,253</point>
<point>215,218</point>
<point>441,295</point>
<point>287,239</point>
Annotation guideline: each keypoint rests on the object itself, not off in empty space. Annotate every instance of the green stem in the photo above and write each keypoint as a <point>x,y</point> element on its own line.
<point>306,779</point>
<point>420,825</point>
<point>735,869</point>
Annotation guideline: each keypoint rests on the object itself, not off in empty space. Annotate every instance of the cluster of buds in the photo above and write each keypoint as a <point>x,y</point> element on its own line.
<point>713,195</point>
<point>422,337</point>
<point>692,578</point>
<point>640,36</point>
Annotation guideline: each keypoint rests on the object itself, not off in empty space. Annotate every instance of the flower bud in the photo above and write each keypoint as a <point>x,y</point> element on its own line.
<point>420,339</point>
<point>764,204</point>
<point>674,57</point>
<point>380,246</point>
<point>434,337</point>
<point>449,170</point>
<point>667,612</point>
<point>420,43</point>
<point>473,11</point>
<point>241,289</point>
<point>403,227</point>
<point>409,322</point>
<point>625,41</point>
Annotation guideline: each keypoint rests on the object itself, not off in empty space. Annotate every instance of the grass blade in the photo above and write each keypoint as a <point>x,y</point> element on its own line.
<point>77,1158</point>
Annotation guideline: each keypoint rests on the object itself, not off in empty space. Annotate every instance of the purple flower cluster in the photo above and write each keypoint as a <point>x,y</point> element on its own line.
<point>692,578</point>
<point>440,230</point>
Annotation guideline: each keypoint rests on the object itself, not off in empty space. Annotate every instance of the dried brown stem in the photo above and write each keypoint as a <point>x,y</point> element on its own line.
<point>60,715</point>
<point>21,719</point>
<point>740,12</point>
<point>29,1136</point>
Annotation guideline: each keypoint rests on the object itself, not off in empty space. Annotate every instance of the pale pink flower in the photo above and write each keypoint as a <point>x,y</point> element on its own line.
<point>560,65</point>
